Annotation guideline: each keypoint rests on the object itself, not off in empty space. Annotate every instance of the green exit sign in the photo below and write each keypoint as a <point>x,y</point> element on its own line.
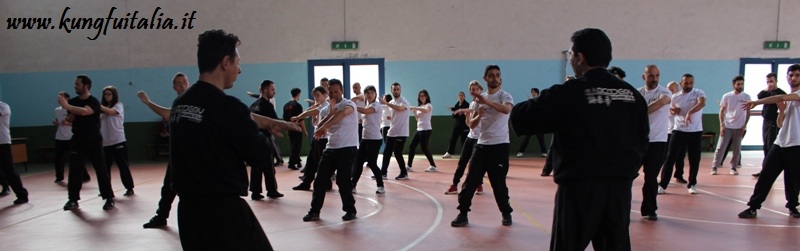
<point>779,45</point>
<point>344,45</point>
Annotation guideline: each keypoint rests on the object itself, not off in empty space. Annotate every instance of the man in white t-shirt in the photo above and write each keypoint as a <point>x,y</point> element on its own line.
<point>398,132</point>
<point>341,127</point>
<point>687,106</point>
<point>490,154</point>
<point>732,123</point>
<point>360,101</point>
<point>658,100</point>
<point>782,156</point>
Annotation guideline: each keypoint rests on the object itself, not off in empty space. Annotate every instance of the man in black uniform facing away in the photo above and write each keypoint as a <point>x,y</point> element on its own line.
<point>213,135</point>
<point>263,107</point>
<point>291,109</point>
<point>586,115</point>
<point>84,113</point>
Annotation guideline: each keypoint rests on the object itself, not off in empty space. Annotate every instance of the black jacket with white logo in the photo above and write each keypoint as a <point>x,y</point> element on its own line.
<point>599,122</point>
<point>212,136</point>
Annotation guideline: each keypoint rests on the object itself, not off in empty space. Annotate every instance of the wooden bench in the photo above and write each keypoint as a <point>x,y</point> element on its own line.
<point>163,150</point>
<point>19,151</point>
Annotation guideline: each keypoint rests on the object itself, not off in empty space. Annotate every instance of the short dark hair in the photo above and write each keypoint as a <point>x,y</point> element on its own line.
<point>617,71</point>
<point>266,83</point>
<point>737,78</point>
<point>794,67</point>
<point>370,88</point>
<point>114,97</point>
<point>323,79</point>
<point>320,89</point>
<point>387,97</point>
<point>536,90</point>
<point>85,80</point>
<point>594,45</point>
<point>395,83</point>
<point>295,91</point>
<point>213,46</point>
<point>772,75</point>
<point>490,67</point>
<point>687,75</point>
<point>64,94</point>
<point>428,97</point>
<point>334,81</point>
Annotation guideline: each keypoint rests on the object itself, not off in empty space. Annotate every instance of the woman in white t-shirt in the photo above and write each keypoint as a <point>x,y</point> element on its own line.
<point>424,128</point>
<point>115,146</point>
<point>371,139</point>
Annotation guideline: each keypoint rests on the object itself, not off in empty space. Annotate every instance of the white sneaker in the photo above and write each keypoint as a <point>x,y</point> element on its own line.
<point>354,190</point>
<point>661,190</point>
<point>734,172</point>
<point>431,169</point>
<point>693,189</point>
<point>381,190</point>
<point>519,154</point>
<point>544,154</point>
<point>713,171</point>
<point>408,168</point>
<point>446,155</point>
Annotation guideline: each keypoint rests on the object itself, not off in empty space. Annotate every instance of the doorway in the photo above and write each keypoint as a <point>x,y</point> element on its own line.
<point>755,72</point>
<point>349,71</point>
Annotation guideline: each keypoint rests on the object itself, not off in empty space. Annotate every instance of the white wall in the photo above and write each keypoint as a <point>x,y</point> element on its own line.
<point>409,30</point>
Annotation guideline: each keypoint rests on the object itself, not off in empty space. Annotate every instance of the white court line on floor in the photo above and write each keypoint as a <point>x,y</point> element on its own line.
<point>439,213</point>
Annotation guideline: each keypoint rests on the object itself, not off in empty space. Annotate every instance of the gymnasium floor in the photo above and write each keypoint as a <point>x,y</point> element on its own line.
<point>413,215</point>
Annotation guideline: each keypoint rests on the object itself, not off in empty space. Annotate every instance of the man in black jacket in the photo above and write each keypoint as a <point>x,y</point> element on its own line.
<point>587,115</point>
<point>213,136</point>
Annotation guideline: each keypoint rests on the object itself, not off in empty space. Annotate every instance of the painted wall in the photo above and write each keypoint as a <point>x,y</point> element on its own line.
<point>436,45</point>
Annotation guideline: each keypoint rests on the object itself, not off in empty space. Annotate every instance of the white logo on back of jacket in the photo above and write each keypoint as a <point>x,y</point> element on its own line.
<point>599,95</point>
<point>190,112</point>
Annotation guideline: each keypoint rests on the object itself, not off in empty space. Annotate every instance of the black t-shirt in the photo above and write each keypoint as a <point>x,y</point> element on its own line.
<point>600,126</point>
<point>212,136</point>
<point>86,125</point>
<point>264,108</point>
<point>291,109</point>
<point>770,112</point>
<point>460,118</point>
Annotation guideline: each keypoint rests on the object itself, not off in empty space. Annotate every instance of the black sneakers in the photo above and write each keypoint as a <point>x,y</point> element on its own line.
<point>23,200</point>
<point>109,204</point>
<point>749,213</point>
<point>129,192</point>
<point>302,187</point>
<point>257,196</point>
<point>349,216</point>
<point>71,205</point>
<point>794,213</point>
<point>650,217</point>
<point>506,219</point>
<point>274,194</point>
<point>156,222</point>
<point>312,217</point>
<point>460,221</point>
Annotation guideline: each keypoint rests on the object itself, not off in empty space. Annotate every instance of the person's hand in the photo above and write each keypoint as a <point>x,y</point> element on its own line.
<point>143,96</point>
<point>294,119</point>
<point>320,133</point>
<point>278,126</point>
<point>749,105</point>
<point>55,122</point>
<point>674,110</point>
<point>721,131</point>
<point>781,106</point>
<point>62,101</point>
<point>688,119</point>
